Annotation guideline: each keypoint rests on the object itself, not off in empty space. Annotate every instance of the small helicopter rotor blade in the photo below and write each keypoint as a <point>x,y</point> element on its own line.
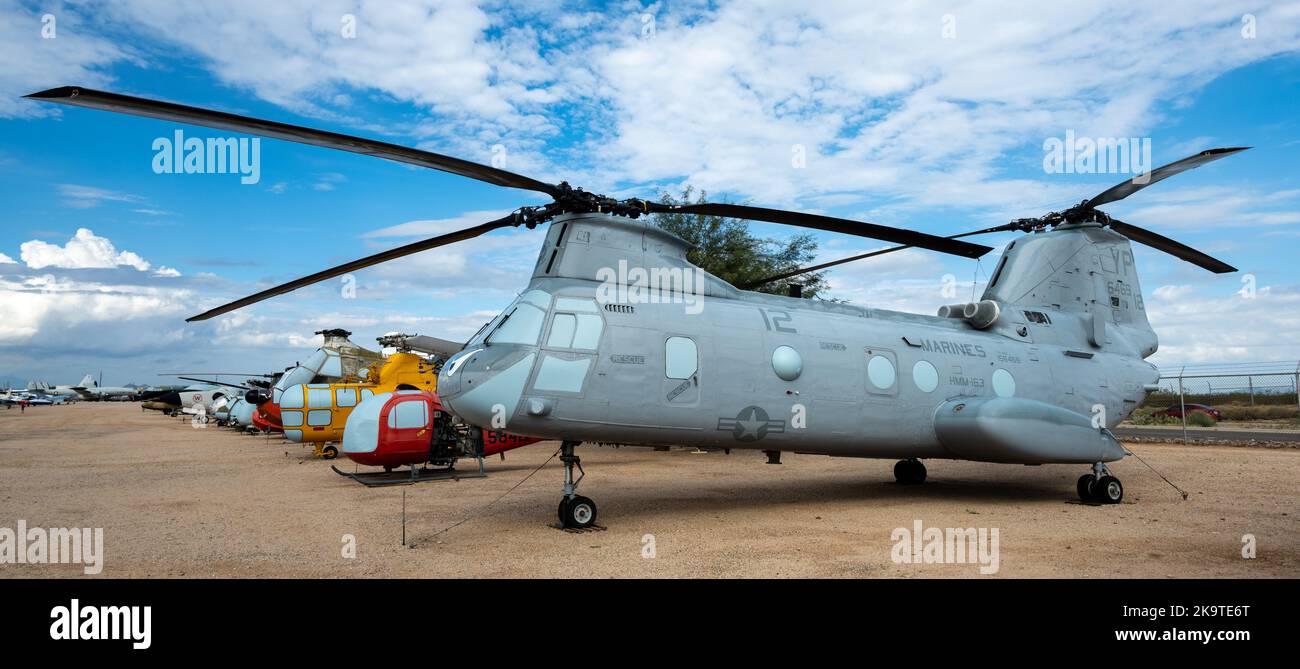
<point>1124,189</point>
<point>870,254</point>
<point>827,223</point>
<point>215,383</point>
<point>1177,249</point>
<point>383,256</point>
<point>211,374</point>
<point>169,111</point>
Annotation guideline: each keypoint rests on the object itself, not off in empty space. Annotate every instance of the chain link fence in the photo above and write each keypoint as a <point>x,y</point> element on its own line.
<point>1261,393</point>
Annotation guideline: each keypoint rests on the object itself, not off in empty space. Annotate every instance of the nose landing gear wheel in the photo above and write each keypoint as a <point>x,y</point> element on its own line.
<point>329,452</point>
<point>577,513</point>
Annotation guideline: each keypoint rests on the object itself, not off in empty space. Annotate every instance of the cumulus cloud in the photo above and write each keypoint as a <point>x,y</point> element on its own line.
<point>84,250</point>
<point>6,260</point>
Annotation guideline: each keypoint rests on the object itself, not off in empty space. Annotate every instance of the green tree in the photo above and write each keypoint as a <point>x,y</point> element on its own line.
<point>725,248</point>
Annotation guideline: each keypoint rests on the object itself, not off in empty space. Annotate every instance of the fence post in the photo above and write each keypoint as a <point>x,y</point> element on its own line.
<point>1297,388</point>
<point>1250,381</point>
<point>1182,405</point>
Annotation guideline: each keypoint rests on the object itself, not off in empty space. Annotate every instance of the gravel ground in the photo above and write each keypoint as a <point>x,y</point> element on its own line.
<point>175,501</point>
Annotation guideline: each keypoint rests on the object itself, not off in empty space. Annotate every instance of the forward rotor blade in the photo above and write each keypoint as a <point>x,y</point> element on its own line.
<point>827,223</point>
<point>1124,189</point>
<point>168,111</point>
<point>1178,249</point>
<point>870,254</point>
<point>383,256</point>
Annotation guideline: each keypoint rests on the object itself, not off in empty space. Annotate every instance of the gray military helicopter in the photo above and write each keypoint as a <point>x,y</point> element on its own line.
<point>595,349</point>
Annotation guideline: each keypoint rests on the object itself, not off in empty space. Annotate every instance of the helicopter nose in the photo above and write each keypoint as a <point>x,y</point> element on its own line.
<point>483,393</point>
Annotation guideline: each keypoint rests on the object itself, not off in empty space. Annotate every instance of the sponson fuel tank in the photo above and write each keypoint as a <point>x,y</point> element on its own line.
<point>1019,430</point>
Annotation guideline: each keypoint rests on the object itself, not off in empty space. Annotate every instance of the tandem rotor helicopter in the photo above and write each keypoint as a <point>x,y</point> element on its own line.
<point>1037,371</point>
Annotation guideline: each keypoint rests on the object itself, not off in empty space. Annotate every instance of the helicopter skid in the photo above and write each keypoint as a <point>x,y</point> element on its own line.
<point>405,477</point>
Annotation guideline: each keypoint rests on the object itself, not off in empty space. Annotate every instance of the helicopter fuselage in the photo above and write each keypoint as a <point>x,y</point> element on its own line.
<point>731,369</point>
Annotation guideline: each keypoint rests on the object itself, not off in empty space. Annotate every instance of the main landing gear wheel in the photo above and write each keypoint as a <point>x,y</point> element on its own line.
<point>909,472</point>
<point>575,511</point>
<point>329,452</point>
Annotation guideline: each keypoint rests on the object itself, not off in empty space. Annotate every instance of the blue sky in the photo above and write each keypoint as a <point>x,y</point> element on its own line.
<point>901,123</point>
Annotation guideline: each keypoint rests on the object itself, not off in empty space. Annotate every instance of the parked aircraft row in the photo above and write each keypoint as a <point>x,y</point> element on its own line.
<point>378,410</point>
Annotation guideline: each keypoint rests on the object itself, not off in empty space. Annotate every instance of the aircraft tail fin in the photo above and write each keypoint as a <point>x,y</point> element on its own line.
<point>1080,278</point>
<point>88,381</point>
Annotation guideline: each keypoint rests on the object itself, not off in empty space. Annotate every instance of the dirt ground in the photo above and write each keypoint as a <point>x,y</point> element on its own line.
<point>175,501</point>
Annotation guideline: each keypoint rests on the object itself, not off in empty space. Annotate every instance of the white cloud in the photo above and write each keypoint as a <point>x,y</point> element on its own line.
<point>1202,325</point>
<point>6,260</point>
<point>84,250</point>
<point>31,62</point>
<point>435,227</point>
<point>48,311</point>
<point>85,197</point>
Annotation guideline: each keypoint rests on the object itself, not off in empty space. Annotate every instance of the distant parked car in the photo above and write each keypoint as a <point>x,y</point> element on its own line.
<point>1176,411</point>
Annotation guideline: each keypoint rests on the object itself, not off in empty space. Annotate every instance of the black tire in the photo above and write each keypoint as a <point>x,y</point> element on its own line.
<point>578,513</point>
<point>909,472</point>
<point>1084,488</point>
<point>1108,490</point>
<point>562,511</point>
<point>329,452</point>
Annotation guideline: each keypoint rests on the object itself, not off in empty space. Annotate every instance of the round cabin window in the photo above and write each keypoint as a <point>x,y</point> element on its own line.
<point>1004,385</point>
<point>786,363</point>
<point>925,376</point>
<point>881,372</point>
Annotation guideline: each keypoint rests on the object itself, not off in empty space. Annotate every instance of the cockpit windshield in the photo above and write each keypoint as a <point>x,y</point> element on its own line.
<point>519,323</point>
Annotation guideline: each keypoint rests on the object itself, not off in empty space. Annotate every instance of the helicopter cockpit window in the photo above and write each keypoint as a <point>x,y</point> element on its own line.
<point>318,397</point>
<point>332,366</point>
<point>408,415</point>
<point>363,425</point>
<point>295,377</point>
<point>577,324</point>
<point>316,361</point>
<point>522,323</point>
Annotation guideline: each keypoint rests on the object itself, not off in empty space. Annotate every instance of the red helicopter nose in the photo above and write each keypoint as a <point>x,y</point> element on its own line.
<point>410,427</point>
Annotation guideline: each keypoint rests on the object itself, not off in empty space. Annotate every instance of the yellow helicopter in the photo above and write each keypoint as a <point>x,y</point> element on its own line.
<point>316,413</point>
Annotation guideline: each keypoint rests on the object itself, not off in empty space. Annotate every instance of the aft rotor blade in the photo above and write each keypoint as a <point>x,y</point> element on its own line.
<point>383,256</point>
<point>1124,189</point>
<point>870,254</point>
<point>169,111</point>
<point>1178,249</point>
<point>827,223</point>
